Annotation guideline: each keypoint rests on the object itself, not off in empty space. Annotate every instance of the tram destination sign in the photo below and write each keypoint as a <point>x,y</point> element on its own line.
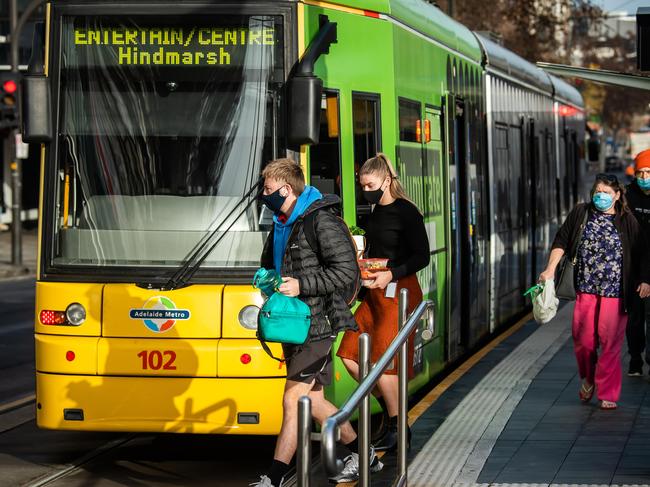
<point>224,46</point>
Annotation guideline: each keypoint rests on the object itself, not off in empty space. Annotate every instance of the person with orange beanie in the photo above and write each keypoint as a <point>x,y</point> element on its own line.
<point>638,325</point>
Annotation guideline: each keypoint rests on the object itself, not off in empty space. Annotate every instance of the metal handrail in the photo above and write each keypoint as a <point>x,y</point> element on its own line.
<point>360,398</point>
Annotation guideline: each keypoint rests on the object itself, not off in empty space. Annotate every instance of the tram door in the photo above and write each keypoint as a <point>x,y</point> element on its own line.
<point>459,226</point>
<point>432,278</point>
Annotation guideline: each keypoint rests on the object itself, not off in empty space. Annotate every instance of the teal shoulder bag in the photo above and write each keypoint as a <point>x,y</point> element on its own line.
<point>282,319</point>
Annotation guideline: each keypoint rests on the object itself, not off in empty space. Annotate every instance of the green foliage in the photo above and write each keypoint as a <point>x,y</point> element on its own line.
<point>355,230</point>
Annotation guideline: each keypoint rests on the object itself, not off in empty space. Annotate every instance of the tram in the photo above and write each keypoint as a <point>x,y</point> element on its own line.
<point>156,119</point>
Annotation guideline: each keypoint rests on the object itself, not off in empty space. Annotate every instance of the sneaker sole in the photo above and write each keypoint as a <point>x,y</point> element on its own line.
<point>376,467</point>
<point>635,374</point>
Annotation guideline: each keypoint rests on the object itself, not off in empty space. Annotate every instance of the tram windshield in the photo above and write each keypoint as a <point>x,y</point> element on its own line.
<point>164,126</point>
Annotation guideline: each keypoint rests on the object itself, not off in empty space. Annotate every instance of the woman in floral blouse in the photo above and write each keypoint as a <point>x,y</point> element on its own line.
<point>612,265</point>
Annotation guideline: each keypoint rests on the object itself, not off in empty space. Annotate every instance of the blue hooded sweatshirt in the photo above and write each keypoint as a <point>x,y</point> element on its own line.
<point>282,231</point>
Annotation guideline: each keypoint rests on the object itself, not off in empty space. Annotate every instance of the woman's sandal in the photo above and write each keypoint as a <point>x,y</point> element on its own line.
<point>608,405</point>
<point>585,392</point>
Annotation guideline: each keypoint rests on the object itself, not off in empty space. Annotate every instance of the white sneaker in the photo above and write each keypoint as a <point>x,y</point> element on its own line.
<point>265,481</point>
<point>350,472</point>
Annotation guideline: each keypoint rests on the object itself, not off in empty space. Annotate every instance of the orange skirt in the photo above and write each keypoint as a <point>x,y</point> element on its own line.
<point>377,315</point>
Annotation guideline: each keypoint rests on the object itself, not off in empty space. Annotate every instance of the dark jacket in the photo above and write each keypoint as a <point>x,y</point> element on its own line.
<point>639,203</point>
<point>635,263</point>
<point>320,279</point>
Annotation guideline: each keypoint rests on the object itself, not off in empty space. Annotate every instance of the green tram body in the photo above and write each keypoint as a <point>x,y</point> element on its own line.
<point>487,145</point>
<point>519,147</point>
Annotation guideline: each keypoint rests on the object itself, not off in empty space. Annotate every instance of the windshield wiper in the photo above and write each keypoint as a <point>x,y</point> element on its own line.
<point>189,267</point>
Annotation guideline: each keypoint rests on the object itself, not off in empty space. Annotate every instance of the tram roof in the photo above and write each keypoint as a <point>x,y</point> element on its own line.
<point>501,59</point>
<point>566,92</point>
<point>426,19</point>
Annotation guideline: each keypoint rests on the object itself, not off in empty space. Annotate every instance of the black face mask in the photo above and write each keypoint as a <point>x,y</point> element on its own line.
<point>273,201</point>
<point>373,197</point>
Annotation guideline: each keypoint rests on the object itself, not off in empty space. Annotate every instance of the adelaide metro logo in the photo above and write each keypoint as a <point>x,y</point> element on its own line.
<point>159,314</point>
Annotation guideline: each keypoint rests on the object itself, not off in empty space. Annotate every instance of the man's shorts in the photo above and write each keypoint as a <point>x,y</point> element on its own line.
<point>311,361</point>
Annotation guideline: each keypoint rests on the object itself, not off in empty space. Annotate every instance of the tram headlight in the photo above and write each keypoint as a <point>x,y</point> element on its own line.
<point>248,317</point>
<point>75,314</point>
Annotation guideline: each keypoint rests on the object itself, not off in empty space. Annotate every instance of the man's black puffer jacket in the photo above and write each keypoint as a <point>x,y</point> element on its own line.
<point>320,279</point>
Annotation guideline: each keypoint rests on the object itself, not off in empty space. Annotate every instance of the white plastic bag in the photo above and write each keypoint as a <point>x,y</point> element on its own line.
<point>544,302</point>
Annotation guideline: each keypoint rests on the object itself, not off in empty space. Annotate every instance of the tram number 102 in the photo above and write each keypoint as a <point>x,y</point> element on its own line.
<point>156,360</point>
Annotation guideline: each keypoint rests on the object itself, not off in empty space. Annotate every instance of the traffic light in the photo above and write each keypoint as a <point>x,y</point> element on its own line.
<point>9,86</point>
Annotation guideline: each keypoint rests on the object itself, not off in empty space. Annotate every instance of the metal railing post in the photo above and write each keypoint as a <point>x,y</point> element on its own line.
<point>364,413</point>
<point>361,395</point>
<point>402,416</point>
<point>303,460</point>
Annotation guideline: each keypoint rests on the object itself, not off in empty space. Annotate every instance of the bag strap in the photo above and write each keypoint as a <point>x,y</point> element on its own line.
<point>309,227</point>
<point>266,348</point>
<point>579,239</point>
<point>269,353</point>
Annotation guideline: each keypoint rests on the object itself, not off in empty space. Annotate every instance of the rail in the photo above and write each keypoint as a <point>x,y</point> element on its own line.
<point>360,398</point>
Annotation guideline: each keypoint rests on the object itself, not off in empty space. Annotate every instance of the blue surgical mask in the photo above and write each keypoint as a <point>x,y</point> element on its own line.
<point>273,201</point>
<point>602,201</point>
<point>644,183</point>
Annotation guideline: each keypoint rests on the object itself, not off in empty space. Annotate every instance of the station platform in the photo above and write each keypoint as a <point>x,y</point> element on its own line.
<point>511,416</point>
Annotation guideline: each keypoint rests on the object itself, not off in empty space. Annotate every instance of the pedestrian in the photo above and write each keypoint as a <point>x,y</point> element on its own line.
<point>638,327</point>
<point>395,231</point>
<point>317,277</point>
<point>605,237</point>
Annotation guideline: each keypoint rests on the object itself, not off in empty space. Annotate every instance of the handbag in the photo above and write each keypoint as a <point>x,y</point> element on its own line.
<point>566,284</point>
<point>282,319</point>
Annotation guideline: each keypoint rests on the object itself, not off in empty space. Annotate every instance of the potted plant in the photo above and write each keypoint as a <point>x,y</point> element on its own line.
<point>358,235</point>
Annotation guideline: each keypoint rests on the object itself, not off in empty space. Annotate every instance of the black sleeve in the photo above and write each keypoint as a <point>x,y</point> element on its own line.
<point>416,241</point>
<point>337,256</point>
<point>640,250</point>
<point>562,238</point>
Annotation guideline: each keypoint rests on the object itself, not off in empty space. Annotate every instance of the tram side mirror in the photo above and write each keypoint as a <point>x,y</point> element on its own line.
<point>36,113</point>
<point>304,95</point>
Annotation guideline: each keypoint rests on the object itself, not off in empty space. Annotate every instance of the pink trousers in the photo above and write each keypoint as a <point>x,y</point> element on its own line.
<point>599,321</point>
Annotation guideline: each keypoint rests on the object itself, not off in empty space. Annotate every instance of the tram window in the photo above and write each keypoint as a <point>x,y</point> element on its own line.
<point>325,157</point>
<point>409,116</point>
<point>154,153</point>
<point>367,142</point>
<point>365,123</point>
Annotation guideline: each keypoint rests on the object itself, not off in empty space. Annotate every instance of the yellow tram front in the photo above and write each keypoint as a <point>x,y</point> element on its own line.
<point>162,119</point>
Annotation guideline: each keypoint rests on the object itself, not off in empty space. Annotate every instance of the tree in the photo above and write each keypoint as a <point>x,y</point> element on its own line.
<point>537,30</point>
<point>562,31</point>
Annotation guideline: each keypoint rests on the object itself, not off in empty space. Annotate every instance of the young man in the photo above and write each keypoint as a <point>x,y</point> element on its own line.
<point>638,325</point>
<point>317,279</point>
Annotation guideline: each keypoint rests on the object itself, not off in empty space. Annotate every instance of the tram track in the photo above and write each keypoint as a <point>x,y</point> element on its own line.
<point>17,412</point>
<point>76,465</point>
<point>17,403</point>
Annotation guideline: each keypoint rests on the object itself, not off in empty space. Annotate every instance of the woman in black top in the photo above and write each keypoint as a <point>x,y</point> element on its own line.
<point>395,231</point>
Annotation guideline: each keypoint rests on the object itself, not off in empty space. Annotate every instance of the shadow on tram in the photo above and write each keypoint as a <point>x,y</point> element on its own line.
<point>180,398</point>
